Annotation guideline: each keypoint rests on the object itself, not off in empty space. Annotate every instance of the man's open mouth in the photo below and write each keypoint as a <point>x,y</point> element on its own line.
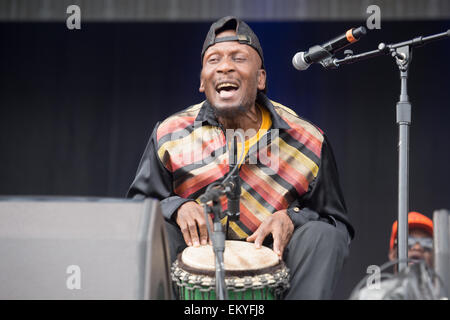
<point>415,258</point>
<point>226,89</point>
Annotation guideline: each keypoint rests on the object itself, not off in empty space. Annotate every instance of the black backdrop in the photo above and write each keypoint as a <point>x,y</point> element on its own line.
<point>77,108</point>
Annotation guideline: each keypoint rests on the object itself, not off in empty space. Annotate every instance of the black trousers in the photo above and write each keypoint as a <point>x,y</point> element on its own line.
<point>315,256</point>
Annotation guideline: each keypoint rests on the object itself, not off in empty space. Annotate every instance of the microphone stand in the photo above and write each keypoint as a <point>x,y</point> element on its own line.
<point>233,188</point>
<point>402,52</point>
<point>217,237</point>
<point>218,240</point>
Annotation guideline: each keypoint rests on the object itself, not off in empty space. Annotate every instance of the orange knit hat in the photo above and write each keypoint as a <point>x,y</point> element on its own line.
<point>415,220</point>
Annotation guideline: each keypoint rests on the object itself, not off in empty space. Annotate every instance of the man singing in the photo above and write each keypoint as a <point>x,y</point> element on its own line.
<point>290,194</point>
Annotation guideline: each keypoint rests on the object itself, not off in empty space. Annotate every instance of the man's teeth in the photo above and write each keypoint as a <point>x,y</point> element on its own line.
<point>225,85</point>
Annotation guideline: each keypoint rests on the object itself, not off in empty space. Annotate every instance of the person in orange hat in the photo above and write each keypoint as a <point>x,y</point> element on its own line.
<point>420,239</point>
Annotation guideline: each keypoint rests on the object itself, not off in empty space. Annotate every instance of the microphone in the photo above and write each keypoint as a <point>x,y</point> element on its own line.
<point>302,60</point>
<point>234,191</point>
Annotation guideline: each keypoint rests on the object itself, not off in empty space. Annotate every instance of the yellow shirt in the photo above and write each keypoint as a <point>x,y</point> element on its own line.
<point>266,123</point>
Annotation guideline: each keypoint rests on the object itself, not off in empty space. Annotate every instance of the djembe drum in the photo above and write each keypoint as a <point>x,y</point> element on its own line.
<point>250,273</point>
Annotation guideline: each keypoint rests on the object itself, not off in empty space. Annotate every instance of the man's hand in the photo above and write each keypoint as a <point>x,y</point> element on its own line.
<point>190,216</point>
<point>281,228</point>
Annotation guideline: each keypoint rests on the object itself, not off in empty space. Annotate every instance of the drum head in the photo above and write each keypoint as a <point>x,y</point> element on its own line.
<point>250,273</point>
<point>239,256</point>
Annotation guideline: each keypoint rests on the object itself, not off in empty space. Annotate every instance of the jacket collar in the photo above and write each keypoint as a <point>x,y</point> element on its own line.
<point>206,113</point>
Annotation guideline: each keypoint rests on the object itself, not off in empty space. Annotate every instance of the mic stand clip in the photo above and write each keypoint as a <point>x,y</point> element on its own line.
<point>233,189</point>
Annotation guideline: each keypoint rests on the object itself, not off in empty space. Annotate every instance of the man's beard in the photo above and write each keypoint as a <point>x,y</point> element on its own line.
<point>230,112</point>
<point>238,110</point>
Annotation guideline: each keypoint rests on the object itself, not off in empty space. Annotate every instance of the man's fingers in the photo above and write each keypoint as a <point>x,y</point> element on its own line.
<point>280,238</point>
<point>191,219</point>
<point>277,246</point>
<point>258,236</point>
<point>202,227</point>
<point>252,237</point>
<point>259,239</point>
<point>203,232</point>
<point>186,234</point>
<point>194,234</point>
<point>277,234</point>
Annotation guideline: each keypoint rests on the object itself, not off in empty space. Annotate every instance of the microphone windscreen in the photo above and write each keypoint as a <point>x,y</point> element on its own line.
<point>359,32</point>
<point>298,61</point>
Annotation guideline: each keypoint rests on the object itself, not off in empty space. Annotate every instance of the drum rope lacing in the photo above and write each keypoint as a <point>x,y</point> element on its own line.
<point>278,282</point>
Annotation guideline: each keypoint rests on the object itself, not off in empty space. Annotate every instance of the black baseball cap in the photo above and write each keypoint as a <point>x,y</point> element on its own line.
<point>244,34</point>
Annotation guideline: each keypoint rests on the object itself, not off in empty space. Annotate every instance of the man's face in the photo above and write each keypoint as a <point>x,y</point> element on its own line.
<point>416,251</point>
<point>231,75</point>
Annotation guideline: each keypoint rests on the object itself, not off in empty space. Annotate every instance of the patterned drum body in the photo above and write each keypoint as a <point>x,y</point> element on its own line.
<point>250,273</point>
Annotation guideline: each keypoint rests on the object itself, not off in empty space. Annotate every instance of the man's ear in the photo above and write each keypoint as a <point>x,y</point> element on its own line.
<point>202,83</point>
<point>261,79</point>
